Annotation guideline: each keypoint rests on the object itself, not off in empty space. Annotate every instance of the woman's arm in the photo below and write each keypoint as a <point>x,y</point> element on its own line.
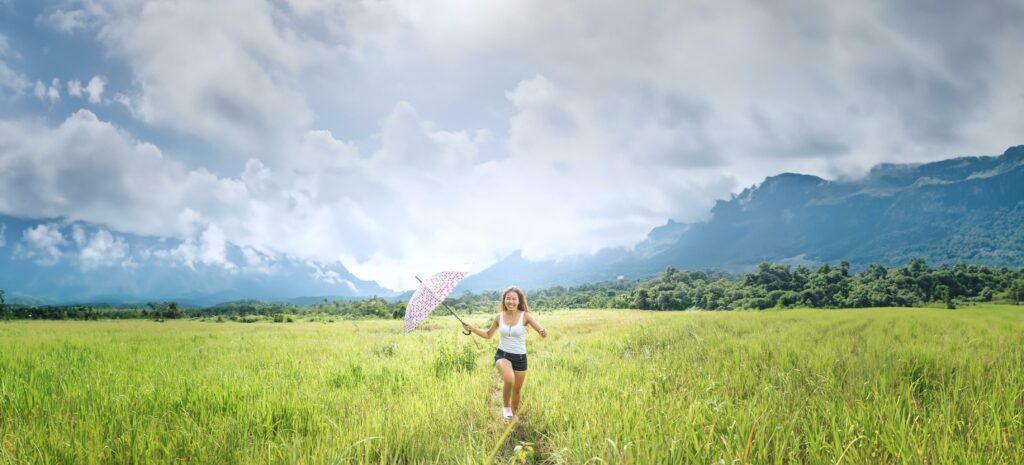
<point>533,322</point>
<point>479,332</point>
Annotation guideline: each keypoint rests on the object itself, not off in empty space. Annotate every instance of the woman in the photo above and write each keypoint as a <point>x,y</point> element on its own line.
<point>510,322</point>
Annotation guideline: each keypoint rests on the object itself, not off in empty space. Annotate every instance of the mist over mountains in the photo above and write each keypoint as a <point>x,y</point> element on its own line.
<point>961,210</point>
<point>54,261</point>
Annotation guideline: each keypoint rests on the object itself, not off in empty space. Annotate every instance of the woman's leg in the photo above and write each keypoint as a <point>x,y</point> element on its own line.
<point>520,378</point>
<point>505,370</point>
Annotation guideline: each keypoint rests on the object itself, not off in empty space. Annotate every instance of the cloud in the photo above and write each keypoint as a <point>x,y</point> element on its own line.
<point>5,45</point>
<point>207,247</point>
<point>424,196</point>
<point>551,192</point>
<point>74,88</point>
<point>11,81</point>
<point>71,20</point>
<point>41,243</point>
<point>397,137</point>
<point>224,71</point>
<point>95,88</point>
<point>101,249</point>
<point>49,243</point>
<point>255,261</point>
<point>128,102</point>
<point>764,87</point>
<point>86,169</point>
<point>50,94</point>
<point>3,234</point>
<point>331,277</point>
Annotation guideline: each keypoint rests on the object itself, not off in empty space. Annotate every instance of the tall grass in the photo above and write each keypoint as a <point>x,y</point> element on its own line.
<point>773,387</point>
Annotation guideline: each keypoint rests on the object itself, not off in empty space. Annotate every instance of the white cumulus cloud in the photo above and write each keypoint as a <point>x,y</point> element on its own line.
<point>225,71</point>
<point>42,243</point>
<point>48,93</point>
<point>103,249</point>
<point>95,88</point>
<point>75,88</point>
<point>12,82</point>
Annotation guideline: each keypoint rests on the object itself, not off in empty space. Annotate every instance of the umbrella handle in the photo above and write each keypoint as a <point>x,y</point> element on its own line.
<point>467,333</point>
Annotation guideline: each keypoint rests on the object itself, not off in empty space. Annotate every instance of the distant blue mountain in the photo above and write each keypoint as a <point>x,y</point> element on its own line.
<point>962,210</point>
<point>33,276</point>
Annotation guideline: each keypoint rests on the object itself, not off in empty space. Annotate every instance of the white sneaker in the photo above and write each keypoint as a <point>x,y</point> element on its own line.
<point>507,413</point>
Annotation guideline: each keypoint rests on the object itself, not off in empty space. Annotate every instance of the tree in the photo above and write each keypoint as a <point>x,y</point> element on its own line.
<point>642,300</point>
<point>171,310</point>
<point>670,273</point>
<point>942,292</point>
<point>874,272</point>
<point>1016,292</point>
<point>918,266</point>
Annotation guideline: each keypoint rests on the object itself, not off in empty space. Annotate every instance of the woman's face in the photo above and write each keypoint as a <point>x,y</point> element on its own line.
<point>511,301</point>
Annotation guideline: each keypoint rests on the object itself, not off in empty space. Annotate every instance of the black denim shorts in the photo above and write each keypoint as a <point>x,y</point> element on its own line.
<point>518,360</point>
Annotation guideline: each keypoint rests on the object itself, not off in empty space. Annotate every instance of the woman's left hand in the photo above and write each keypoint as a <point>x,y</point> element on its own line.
<point>543,332</point>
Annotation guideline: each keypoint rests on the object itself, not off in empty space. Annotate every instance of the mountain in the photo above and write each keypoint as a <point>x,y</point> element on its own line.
<point>962,210</point>
<point>60,262</point>
<point>606,264</point>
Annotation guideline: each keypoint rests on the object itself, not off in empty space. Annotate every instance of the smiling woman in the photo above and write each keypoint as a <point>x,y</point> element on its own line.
<point>510,359</point>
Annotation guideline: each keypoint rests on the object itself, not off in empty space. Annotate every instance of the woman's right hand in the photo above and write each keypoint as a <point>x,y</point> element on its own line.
<point>467,327</point>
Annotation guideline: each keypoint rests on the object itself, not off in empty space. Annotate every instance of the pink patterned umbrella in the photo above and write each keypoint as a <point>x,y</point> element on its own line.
<point>429,296</point>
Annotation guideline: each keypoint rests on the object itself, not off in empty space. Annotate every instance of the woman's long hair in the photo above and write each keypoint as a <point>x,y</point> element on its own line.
<point>522,299</point>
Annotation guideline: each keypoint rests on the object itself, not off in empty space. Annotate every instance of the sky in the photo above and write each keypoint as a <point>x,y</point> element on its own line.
<point>399,138</point>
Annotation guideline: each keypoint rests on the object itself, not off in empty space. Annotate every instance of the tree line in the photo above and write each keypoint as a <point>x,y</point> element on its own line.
<point>783,286</point>
<point>771,286</point>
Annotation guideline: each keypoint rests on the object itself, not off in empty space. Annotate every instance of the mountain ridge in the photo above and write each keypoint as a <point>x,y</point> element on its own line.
<point>964,209</point>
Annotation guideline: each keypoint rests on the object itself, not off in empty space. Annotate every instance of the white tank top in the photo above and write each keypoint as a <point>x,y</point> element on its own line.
<point>513,338</point>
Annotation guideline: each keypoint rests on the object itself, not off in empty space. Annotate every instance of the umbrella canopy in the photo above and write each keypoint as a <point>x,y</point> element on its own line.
<point>429,296</point>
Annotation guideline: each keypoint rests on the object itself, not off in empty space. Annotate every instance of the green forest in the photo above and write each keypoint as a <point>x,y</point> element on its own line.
<point>771,286</point>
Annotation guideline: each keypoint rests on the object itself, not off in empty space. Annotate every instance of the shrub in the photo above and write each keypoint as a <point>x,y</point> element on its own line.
<point>453,358</point>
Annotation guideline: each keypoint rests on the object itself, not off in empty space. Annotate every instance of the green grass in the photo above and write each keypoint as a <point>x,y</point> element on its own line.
<point>772,387</point>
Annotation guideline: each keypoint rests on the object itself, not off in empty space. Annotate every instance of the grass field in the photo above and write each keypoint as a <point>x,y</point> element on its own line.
<point>772,387</point>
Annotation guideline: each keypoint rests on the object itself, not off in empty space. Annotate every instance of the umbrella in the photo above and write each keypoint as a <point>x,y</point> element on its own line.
<point>429,296</point>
